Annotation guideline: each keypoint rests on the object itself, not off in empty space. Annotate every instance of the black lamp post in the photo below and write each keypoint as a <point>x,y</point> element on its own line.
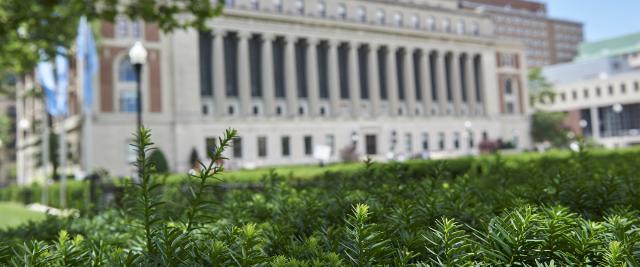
<point>138,56</point>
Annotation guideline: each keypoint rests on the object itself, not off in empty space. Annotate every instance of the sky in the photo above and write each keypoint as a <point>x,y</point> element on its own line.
<point>602,18</point>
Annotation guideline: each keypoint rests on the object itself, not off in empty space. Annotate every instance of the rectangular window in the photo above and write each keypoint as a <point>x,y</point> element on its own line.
<point>231,63</point>
<point>417,74</point>
<point>301,68</point>
<point>462,64</point>
<point>286,149</point>
<point>211,145</point>
<point>585,93</point>
<point>128,101</point>
<point>623,88</point>
<point>329,141</point>
<point>237,147</point>
<point>408,143</point>
<point>610,89</point>
<point>278,67</point>
<point>206,63</point>
<point>308,145</point>
<point>255,59</point>
<point>323,72</point>
<point>456,140</point>
<point>400,72</point>
<point>343,68</point>
<point>262,146</point>
<point>382,72</point>
<point>371,144</point>
<point>477,72</point>
<point>448,78</point>
<point>363,67</point>
<point>598,91</point>
<point>441,141</point>
<point>132,154</point>
<point>433,64</point>
<point>425,141</point>
<point>636,86</point>
<point>510,108</point>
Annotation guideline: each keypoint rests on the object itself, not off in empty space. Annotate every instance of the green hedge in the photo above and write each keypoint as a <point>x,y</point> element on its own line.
<point>79,195</point>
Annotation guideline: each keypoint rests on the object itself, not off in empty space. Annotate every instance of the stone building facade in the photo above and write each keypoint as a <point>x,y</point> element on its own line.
<point>388,79</point>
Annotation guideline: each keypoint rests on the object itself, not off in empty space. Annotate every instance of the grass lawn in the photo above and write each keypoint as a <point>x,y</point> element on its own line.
<point>12,214</point>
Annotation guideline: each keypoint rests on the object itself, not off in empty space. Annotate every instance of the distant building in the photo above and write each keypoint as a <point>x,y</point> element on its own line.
<point>601,90</point>
<point>548,40</point>
<point>387,79</point>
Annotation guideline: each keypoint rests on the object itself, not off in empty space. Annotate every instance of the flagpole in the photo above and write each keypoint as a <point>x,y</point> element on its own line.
<point>45,156</point>
<point>62,145</point>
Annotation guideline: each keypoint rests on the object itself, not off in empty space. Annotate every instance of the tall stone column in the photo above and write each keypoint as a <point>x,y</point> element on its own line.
<point>409,82</point>
<point>219,90</point>
<point>442,81</point>
<point>374,80</point>
<point>268,86</point>
<point>425,69</point>
<point>456,84</point>
<point>595,124</point>
<point>471,85</point>
<point>392,80</point>
<point>244,79</point>
<point>334,79</point>
<point>291,84</point>
<point>312,76</point>
<point>354,79</point>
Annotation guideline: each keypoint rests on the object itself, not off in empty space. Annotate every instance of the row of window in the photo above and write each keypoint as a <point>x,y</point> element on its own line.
<point>598,92</point>
<point>125,28</point>
<point>370,144</point>
<point>360,15</point>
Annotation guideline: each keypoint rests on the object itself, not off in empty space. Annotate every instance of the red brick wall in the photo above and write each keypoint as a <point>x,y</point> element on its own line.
<point>107,29</point>
<point>573,121</point>
<point>151,32</point>
<point>155,84</point>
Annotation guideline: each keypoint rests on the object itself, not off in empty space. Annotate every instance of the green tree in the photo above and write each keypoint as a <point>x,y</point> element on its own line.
<point>540,90</point>
<point>30,26</point>
<point>159,161</point>
<point>549,127</point>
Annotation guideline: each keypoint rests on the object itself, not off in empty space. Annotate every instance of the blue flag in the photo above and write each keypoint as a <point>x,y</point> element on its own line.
<point>86,52</point>
<point>54,86</point>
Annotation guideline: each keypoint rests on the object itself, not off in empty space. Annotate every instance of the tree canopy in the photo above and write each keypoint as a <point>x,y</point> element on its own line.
<point>30,26</point>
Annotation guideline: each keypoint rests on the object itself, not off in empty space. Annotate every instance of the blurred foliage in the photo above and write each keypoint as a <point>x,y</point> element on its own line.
<point>550,127</point>
<point>30,26</point>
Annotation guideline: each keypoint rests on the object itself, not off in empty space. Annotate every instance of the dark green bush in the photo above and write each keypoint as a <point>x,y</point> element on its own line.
<point>548,210</point>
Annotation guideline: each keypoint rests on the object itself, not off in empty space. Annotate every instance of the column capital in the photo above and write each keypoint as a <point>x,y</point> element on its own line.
<point>290,38</point>
<point>268,36</point>
<point>333,42</point>
<point>219,32</point>
<point>244,34</point>
<point>313,40</point>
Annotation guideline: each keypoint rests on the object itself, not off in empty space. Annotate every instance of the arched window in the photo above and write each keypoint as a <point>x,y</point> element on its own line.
<point>380,17</point>
<point>361,14</point>
<point>342,11</point>
<point>446,25</point>
<point>125,71</point>
<point>321,8</point>
<point>398,19</point>
<point>415,21</point>
<point>431,24</point>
